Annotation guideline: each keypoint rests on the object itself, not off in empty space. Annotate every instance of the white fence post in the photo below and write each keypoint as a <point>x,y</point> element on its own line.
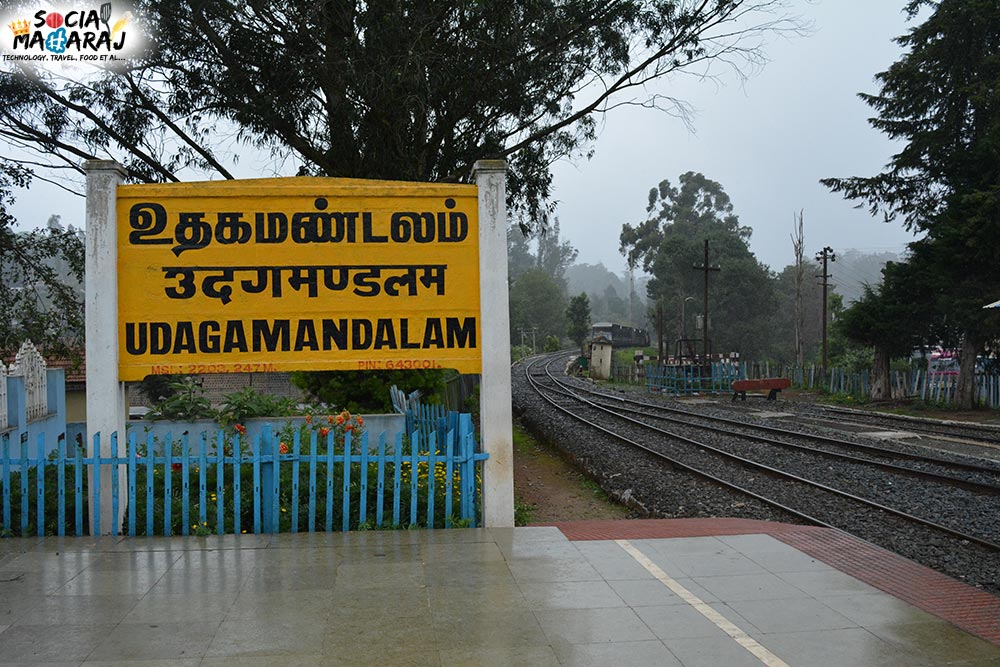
<point>105,394</point>
<point>30,365</point>
<point>3,397</point>
<point>495,410</point>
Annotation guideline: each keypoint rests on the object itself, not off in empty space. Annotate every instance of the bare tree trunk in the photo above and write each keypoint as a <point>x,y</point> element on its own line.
<point>798,245</point>
<point>881,380</point>
<point>965,392</point>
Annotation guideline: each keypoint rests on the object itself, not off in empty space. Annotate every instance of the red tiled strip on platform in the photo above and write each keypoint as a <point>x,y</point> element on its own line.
<point>968,608</point>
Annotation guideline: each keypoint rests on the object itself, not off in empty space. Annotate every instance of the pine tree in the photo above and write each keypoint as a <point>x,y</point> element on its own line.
<point>941,100</point>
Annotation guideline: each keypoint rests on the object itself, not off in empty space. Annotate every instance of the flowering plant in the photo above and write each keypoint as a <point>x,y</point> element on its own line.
<point>330,429</point>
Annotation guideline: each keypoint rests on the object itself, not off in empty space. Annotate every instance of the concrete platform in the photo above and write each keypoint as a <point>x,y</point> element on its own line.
<point>721,593</point>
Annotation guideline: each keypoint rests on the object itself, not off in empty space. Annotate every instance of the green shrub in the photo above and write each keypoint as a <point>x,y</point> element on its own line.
<point>248,404</point>
<point>51,500</point>
<point>187,402</point>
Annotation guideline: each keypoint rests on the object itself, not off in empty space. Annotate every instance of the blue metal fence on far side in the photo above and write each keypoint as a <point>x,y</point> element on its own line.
<point>217,483</point>
<point>692,379</point>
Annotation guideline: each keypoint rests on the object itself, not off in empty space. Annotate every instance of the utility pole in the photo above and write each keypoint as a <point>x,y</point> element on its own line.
<point>798,245</point>
<point>524,332</point>
<point>825,255</point>
<point>631,288</point>
<point>706,268</point>
<point>659,330</point>
<point>684,329</point>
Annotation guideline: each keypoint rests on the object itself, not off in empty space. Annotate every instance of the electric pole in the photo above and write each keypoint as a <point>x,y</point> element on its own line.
<point>704,330</point>
<point>659,331</point>
<point>524,332</point>
<point>631,288</point>
<point>825,255</point>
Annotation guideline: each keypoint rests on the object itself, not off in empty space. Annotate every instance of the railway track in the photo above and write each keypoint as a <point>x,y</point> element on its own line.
<point>837,418</point>
<point>986,434</point>
<point>980,476</point>
<point>882,495</point>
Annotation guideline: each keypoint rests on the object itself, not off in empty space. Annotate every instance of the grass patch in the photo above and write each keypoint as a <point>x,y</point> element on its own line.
<point>523,513</point>
<point>524,442</point>
<point>594,488</point>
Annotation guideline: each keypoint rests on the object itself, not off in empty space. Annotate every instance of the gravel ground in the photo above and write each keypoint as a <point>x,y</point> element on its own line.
<point>654,489</point>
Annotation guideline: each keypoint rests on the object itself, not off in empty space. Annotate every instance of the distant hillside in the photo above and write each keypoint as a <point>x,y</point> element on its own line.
<point>854,269</point>
<point>608,293</point>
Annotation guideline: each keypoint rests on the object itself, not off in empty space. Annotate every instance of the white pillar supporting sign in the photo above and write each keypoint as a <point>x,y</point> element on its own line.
<point>495,408</point>
<point>3,396</point>
<point>106,411</point>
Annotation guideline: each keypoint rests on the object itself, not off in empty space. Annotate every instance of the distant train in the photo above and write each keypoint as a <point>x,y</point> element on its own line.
<point>621,335</point>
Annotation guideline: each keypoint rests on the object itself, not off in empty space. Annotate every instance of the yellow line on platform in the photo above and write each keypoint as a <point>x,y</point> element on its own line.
<point>723,623</point>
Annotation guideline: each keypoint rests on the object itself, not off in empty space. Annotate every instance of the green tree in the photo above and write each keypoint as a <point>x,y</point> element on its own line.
<point>368,391</point>
<point>670,242</point>
<point>888,319</point>
<point>41,281</point>
<point>555,255</point>
<point>578,317</point>
<point>940,101</point>
<point>411,90</point>
<point>783,323</point>
<point>519,255</point>
<point>615,306</point>
<point>537,302</point>
<point>538,285</point>
<point>606,292</point>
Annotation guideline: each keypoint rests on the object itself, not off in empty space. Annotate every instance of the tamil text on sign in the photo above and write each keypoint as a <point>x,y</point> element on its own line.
<point>297,274</point>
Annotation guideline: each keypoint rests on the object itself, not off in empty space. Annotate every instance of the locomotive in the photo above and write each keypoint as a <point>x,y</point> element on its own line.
<point>621,335</point>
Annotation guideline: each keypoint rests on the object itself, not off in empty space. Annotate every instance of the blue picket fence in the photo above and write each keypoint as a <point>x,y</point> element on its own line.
<point>691,379</point>
<point>916,384</point>
<point>428,418</point>
<point>220,484</point>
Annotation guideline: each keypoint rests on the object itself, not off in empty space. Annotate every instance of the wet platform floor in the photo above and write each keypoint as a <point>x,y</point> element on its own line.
<point>522,596</point>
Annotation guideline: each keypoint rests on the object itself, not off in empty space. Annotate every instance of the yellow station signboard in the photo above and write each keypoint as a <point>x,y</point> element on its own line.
<point>297,274</point>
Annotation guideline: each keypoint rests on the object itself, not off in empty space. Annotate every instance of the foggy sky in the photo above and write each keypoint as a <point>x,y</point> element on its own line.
<point>767,141</point>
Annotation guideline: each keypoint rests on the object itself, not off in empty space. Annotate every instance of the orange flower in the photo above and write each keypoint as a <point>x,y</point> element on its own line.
<point>329,419</point>
<point>349,427</point>
<point>283,448</point>
<point>323,431</point>
<point>240,428</point>
<point>340,419</point>
<point>309,419</point>
<point>345,414</point>
<point>361,420</point>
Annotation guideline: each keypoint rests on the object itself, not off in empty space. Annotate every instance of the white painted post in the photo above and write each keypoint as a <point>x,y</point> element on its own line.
<point>30,365</point>
<point>3,397</point>
<point>495,410</point>
<point>106,411</point>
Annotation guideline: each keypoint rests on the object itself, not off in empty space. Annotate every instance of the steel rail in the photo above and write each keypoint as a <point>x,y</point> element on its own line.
<point>674,462</point>
<point>971,485</point>
<point>918,423</point>
<point>753,464</point>
<point>958,465</point>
